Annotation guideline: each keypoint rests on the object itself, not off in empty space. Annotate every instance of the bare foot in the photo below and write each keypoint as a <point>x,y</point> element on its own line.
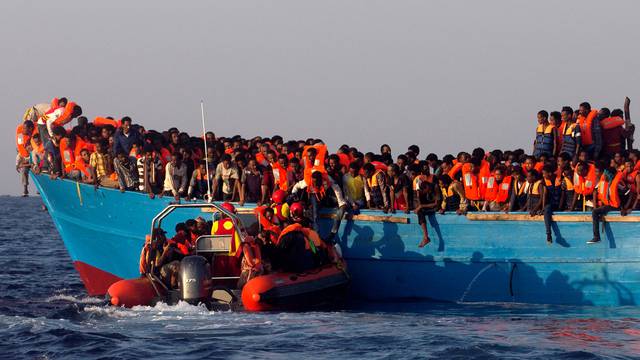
<point>425,241</point>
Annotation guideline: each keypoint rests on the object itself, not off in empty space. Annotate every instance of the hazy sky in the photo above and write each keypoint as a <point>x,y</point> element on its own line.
<point>446,75</point>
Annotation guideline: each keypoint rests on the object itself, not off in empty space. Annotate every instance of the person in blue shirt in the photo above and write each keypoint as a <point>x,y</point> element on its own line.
<point>125,137</point>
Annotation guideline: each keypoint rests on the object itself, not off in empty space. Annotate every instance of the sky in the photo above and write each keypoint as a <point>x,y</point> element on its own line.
<point>445,75</point>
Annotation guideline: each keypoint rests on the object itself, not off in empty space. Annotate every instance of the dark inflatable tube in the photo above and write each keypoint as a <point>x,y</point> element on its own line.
<point>132,292</point>
<point>287,291</point>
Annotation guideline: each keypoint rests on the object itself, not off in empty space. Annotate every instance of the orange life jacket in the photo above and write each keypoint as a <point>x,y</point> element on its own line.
<point>265,223</point>
<point>321,153</point>
<point>84,167</point>
<point>585,127</point>
<point>614,193</point>
<point>379,165</point>
<point>318,191</point>
<point>312,239</point>
<point>603,190</point>
<point>22,141</point>
<point>585,185</point>
<point>503,190</point>
<point>611,122</point>
<point>471,186</point>
<point>65,117</point>
<point>280,177</point>
<point>102,121</point>
<point>261,159</point>
<point>67,154</point>
<point>453,172</point>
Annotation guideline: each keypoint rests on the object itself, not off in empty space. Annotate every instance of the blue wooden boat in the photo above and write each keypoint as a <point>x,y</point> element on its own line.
<point>481,257</point>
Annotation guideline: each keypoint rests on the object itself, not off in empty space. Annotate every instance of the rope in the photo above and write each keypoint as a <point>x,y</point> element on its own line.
<point>79,193</point>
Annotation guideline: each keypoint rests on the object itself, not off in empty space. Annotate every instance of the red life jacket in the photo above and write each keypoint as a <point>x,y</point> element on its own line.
<point>225,227</point>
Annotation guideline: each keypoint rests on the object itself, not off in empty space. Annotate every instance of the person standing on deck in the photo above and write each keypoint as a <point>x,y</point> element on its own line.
<point>613,133</point>
<point>546,135</point>
<point>571,137</point>
<point>124,138</point>
<point>590,131</point>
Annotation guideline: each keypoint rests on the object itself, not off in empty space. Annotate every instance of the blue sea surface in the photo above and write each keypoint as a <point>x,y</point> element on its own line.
<point>46,314</point>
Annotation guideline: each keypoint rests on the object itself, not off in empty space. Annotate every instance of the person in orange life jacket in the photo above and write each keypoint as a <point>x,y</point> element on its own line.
<point>546,135</point>
<point>200,184</point>
<point>428,201</point>
<point>447,165</point>
<point>589,121</point>
<point>497,194</point>
<point>173,251</point>
<point>550,197</point>
<point>37,156</point>
<point>607,195</point>
<point>82,169</point>
<point>584,181</point>
<point>323,191</point>
<point>399,189</point>
<point>280,170</point>
<point>300,248</point>
<point>613,132</point>
<point>555,119</point>
<point>570,134</point>
<point>519,188</point>
<point>452,192</point>
<point>455,173</point>
<point>632,181</point>
<point>376,188</point>
<point>23,139</point>
<point>632,178</point>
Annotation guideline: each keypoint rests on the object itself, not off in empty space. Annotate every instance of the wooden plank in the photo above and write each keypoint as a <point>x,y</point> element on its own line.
<point>556,217</point>
<point>378,218</point>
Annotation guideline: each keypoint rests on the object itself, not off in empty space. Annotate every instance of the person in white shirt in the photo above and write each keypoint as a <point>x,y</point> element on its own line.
<point>175,178</point>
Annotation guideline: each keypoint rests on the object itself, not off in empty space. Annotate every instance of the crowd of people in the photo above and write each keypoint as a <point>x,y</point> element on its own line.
<point>581,160</point>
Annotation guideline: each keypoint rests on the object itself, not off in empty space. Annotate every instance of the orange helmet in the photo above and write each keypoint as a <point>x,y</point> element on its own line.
<point>279,196</point>
<point>229,207</point>
<point>296,210</point>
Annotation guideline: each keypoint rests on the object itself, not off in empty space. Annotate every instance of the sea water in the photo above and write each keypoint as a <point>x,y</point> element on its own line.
<point>46,314</point>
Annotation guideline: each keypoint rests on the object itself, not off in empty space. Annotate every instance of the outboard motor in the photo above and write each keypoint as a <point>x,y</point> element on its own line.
<point>195,280</point>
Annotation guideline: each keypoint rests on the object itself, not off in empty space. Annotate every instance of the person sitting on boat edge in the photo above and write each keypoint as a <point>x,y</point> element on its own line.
<point>550,198</point>
<point>606,197</point>
<point>428,201</point>
<point>497,192</point>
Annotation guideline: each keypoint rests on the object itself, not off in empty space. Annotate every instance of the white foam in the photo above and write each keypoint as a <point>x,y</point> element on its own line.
<point>70,298</point>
